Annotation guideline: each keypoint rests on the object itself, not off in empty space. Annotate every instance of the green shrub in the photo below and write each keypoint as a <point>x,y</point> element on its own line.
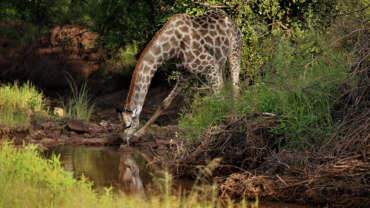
<point>298,84</point>
<point>18,103</point>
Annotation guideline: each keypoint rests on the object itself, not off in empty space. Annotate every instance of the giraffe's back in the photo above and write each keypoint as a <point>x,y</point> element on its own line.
<point>205,36</point>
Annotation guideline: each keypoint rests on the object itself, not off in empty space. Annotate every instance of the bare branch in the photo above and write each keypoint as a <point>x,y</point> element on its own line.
<point>351,12</point>
<point>211,6</point>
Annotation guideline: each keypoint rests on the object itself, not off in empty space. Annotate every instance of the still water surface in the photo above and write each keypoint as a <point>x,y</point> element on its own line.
<point>105,166</point>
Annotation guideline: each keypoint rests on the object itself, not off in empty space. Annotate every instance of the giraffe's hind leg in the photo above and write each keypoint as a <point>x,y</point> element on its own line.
<point>234,57</point>
<point>181,82</point>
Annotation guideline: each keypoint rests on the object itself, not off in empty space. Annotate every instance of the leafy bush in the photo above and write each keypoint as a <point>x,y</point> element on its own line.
<point>18,103</point>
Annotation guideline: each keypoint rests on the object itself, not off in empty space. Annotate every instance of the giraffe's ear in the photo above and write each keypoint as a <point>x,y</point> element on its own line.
<point>119,114</point>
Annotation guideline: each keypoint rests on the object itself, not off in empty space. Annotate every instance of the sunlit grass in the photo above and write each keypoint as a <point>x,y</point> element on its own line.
<point>18,103</point>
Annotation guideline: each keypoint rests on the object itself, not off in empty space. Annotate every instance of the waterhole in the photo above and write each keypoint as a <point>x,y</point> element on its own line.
<point>128,172</point>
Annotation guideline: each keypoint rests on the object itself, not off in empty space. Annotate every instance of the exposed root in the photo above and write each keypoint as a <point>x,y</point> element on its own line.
<point>242,143</point>
<point>340,183</point>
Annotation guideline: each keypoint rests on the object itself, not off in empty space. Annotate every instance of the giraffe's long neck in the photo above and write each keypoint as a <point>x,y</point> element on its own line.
<point>161,48</point>
<point>140,82</point>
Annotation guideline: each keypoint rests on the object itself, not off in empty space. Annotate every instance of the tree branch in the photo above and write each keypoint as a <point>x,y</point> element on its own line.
<point>351,12</point>
<point>211,6</point>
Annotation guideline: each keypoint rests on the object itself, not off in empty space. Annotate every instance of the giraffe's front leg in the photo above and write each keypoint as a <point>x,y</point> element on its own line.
<point>213,74</point>
<point>129,123</point>
<point>164,105</point>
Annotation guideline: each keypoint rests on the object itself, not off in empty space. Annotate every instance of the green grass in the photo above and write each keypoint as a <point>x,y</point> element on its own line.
<point>299,84</point>
<point>79,106</point>
<point>206,111</point>
<point>29,180</point>
<point>18,103</point>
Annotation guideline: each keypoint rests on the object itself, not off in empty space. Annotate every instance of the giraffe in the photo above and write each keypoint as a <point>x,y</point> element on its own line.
<point>202,44</point>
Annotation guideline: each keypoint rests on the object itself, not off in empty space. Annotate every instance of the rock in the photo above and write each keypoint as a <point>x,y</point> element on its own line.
<point>58,112</point>
<point>95,128</point>
<point>46,141</point>
<point>47,125</point>
<point>77,126</point>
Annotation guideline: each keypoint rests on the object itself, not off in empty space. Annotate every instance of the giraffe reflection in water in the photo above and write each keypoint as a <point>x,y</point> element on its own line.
<point>129,175</point>
<point>105,167</point>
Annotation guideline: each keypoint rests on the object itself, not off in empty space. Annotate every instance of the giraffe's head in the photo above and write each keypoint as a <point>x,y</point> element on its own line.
<point>129,124</point>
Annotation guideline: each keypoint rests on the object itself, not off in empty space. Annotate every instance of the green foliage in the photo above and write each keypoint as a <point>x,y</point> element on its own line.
<point>260,19</point>
<point>206,111</point>
<point>300,84</point>
<point>18,103</point>
<point>124,61</point>
<point>44,183</point>
<point>46,12</point>
<point>121,21</point>
<point>79,105</point>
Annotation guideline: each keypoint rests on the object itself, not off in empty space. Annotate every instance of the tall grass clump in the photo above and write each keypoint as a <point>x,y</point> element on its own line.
<point>18,103</point>
<point>299,82</point>
<point>29,180</point>
<point>78,106</point>
<point>301,87</point>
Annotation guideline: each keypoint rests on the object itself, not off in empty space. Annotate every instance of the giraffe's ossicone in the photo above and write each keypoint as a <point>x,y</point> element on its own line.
<point>202,44</point>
